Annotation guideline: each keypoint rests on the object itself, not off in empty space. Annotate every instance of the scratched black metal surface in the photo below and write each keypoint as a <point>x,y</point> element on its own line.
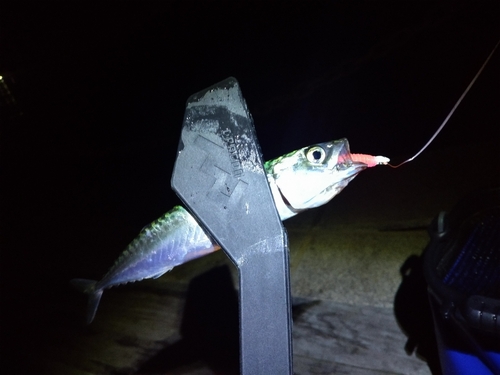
<point>219,175</point>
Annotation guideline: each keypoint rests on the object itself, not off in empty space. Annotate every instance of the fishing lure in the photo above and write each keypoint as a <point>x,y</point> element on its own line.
<point>177,238</point>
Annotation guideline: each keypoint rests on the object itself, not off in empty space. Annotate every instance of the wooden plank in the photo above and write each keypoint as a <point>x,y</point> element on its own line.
<point>333,338</point>
<point>132,324</point>
<point>146,323</point>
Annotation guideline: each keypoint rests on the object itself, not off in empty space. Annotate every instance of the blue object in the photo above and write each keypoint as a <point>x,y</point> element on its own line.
<point>462,269</point>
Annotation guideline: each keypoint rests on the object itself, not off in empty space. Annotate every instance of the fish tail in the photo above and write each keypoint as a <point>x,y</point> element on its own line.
<point>88,287</point>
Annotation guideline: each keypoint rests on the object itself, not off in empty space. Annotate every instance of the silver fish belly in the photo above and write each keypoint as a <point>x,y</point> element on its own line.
<point>167,242</point>
<point>173,239</point>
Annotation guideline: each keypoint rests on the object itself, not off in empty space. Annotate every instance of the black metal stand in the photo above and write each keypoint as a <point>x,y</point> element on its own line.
<point>219,175</point>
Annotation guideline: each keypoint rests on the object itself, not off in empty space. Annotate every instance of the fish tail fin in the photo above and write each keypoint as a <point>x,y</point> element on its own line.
<point>88,287</point>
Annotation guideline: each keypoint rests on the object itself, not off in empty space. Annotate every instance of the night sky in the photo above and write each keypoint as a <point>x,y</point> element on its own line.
<point>88,148</point>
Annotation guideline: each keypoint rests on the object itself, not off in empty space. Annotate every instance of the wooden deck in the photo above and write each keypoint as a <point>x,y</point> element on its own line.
<point>187,323</point>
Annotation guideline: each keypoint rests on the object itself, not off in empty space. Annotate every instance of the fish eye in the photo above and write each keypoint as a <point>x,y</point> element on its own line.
<point>316,155</point>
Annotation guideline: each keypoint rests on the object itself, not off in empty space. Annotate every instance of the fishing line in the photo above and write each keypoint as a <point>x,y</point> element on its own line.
<point>450,114</point>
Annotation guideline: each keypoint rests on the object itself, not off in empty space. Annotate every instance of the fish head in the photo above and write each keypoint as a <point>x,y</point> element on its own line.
<point>313,175</point>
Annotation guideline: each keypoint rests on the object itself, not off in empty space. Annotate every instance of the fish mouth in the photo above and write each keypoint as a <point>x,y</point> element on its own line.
<point>349,173</point>
<point>353,169</point>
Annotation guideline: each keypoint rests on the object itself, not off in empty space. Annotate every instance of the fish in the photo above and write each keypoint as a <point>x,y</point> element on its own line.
<point>176,237</point>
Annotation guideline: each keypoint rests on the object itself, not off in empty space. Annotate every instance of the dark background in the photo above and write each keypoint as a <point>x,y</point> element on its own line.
<point>88,146</point>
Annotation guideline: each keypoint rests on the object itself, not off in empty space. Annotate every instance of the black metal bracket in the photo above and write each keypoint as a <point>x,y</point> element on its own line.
<point>219,175</point>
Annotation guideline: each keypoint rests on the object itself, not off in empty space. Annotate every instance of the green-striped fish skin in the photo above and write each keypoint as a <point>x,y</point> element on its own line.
<point>169,241</point>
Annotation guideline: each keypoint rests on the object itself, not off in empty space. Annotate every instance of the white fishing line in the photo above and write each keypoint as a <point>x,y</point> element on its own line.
<point>451,112</point>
